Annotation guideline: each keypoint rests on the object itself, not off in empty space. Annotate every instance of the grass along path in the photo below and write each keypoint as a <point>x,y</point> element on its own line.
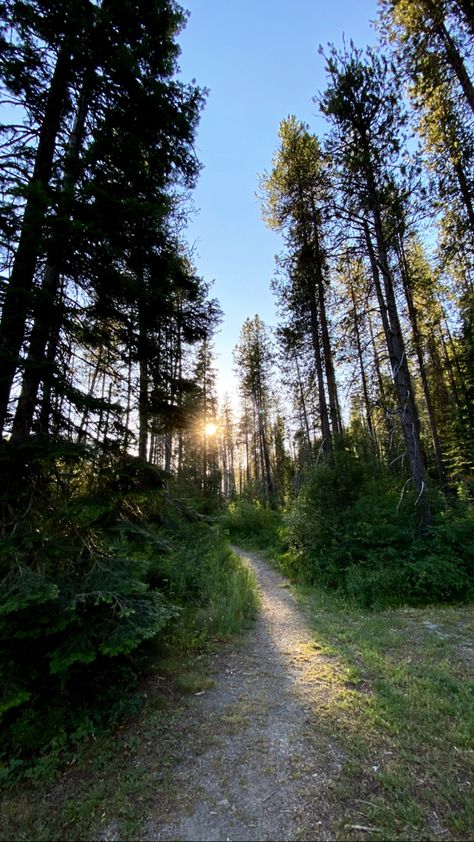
<point>321,723</point>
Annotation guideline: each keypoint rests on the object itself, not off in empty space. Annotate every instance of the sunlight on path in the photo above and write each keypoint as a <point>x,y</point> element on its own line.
<point>255,765</point>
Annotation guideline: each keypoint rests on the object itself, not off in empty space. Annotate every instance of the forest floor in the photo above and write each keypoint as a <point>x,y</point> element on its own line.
<point>321,722</point>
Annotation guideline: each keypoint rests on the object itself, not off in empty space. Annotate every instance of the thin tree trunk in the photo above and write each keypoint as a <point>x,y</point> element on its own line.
<point>20,285</point>
<point>266,469</point>
<point>314,280</point>
<point>362,369</point>
<point>50,360</point>
<point>456,61</point>
<point>143,380</point>
<point>107,415</point>
<point>303,407</point>
<point>329,365</point>
<point>465,192</point>
<point>323,407</point>
<point>380,383</point>
<point>439,459</point>
<point>46,310</point>
<point>400,372</point>
<point>328,360</point>
<point>128,409</point>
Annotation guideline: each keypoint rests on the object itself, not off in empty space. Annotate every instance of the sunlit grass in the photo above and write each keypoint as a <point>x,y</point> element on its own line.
<point>397,695</point>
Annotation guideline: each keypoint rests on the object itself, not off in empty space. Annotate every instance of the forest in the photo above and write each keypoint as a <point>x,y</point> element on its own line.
<point>123,474</point>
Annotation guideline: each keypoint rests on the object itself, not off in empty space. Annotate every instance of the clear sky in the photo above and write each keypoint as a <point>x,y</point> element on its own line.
<point>259,60</point>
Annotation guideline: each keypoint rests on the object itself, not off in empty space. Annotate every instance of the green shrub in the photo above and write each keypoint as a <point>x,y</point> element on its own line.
<point>90,581</point>
<point>354,528</point>
<point>254,525</point>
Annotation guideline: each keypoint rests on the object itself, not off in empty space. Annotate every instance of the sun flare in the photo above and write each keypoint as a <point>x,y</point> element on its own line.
<point>210,428</point>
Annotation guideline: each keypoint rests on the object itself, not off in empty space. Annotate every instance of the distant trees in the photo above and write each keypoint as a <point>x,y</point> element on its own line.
<point>253,362</point>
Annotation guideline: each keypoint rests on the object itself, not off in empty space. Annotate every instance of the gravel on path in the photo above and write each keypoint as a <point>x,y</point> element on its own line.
<point>254,763</point>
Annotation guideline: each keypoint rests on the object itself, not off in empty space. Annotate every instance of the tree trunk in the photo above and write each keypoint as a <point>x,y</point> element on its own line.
<point>20,285</point>
<point>328,360</point>
<point>143,379</point>
<point>465,192</point>
<point>329,366</point>
<point>323,407</point>
<point>380,384</point>
<point>400,372</point>
<point>439,460</point>
<point>46,314</point>
<point>266,470</point>
<point>365,388</point>
<point>455,60</point>
<point>303,407</point>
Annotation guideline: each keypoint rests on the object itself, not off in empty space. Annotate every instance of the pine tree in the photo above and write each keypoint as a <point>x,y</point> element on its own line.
<point>363,103</point>
<point>253,357</point>
<point>294,199</point>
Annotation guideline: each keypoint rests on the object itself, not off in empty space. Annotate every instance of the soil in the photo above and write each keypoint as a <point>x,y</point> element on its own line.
<point>253,764</point>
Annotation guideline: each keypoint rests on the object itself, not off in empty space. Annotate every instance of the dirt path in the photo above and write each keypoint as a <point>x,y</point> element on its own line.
<point>253,764</point>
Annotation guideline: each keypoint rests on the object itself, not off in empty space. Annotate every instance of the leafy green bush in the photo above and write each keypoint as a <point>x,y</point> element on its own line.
<point>254,525</point>
<point>355,528</point>
<point>90,580</point>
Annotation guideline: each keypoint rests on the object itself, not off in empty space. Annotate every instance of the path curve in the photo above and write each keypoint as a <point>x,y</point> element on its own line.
<point>254,764</point>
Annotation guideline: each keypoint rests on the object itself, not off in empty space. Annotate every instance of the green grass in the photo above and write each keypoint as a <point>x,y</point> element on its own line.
<point>401,707</point>
<point>254,526</point>
<point>108,781</point>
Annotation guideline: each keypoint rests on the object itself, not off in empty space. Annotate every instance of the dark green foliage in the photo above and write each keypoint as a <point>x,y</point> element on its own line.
<point>254,525</point>
<point>71,600</point>
<point>354,528</point>
<point>97,565</point>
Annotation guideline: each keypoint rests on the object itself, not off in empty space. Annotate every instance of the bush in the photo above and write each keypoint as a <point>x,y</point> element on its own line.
<point>254,525</point>
<point>90,580</point>
<point>355,528</point>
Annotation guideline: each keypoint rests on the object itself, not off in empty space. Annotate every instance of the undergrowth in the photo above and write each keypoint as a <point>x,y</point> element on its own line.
<point>101,564</point>
<point>254,525</point>
<point>353,529</point>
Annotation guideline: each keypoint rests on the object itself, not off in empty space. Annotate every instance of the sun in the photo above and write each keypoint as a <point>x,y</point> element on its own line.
<point>210,428</point>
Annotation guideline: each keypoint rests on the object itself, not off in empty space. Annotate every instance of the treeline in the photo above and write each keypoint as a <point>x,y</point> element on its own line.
<point>376,314</point>
<point>105,372</point>
<point>100,300</point>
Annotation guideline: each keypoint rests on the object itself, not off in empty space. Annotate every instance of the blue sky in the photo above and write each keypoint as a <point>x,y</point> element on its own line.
<point>259,60</point>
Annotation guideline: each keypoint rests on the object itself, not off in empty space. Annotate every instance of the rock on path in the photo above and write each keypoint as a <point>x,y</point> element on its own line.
<point>255,765</point>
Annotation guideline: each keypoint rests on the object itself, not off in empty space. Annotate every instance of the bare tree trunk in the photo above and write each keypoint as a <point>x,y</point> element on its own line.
<point>318,360</point>
<point>82,432</point>
<point>465,192</point>
<point>46,313</point>
<point>400,372</point>
<point>454,57</point>
<point>20,285</point>
<point>362,369</point>
<point>329,365</point>
<point>380,383</point>
<point>439,459</point>
<point>266,469</point>
<point>303,407</point>
<point>50,360</point>
<point>128,409</point>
